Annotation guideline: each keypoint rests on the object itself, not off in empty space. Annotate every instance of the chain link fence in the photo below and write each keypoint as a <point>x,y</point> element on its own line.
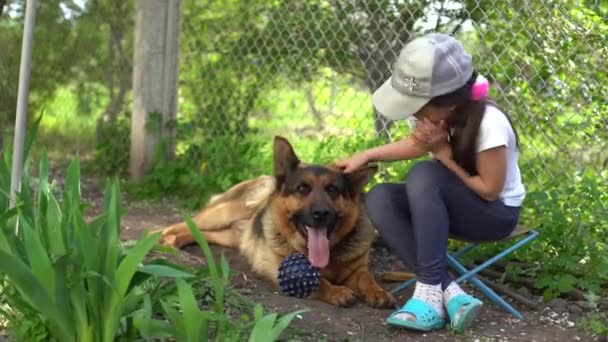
<point>306,69</point>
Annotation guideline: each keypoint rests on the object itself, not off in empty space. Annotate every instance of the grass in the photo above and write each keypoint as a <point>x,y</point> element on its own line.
<point>64,132</point>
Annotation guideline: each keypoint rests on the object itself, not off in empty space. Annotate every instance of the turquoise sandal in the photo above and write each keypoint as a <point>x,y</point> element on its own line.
<point>426,317</point>
<point>468,315</point>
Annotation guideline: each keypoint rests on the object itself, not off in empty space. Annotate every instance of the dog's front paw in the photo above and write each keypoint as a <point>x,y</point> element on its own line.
<point>337,295</point>
<point>378,297</point>
<point>169,240</point>
<point>366,287</point>
<point>341,296</point>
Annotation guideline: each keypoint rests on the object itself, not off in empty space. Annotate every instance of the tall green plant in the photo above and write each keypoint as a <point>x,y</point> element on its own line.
<point>75,275</point>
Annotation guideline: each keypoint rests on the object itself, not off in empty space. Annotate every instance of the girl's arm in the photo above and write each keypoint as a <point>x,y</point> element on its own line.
<point>398,150</point>
<point>414,146</point>
<point>492,169</point>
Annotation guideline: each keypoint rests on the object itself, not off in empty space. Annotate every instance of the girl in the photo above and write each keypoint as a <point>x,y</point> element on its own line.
<point>471,188</point>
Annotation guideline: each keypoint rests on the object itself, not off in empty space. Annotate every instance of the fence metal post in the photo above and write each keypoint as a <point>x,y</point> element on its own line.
<point>22,100</point>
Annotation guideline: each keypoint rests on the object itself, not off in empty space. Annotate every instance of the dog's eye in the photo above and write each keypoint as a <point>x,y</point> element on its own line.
<point>303,189</point>
<point>332,191</point>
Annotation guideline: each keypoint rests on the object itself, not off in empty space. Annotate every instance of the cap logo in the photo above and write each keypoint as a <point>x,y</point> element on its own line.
<point>410,83</point>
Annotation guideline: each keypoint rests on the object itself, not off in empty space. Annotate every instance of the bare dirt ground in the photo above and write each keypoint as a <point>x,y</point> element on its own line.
<point>556,322</point>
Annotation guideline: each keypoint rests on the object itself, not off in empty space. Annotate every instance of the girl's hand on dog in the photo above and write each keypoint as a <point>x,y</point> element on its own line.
<point>352,163</point>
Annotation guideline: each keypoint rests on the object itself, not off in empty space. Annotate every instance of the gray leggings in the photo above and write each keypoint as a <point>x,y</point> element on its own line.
<point>416,218</point>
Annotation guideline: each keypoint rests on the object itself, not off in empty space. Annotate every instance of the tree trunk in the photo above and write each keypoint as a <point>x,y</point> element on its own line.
<point>155,74</point>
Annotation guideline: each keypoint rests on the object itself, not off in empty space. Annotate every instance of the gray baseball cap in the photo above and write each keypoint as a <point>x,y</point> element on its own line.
<point>430,65</point>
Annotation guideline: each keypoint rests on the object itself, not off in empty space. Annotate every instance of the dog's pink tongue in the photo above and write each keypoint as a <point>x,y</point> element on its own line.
<point>318,247</point>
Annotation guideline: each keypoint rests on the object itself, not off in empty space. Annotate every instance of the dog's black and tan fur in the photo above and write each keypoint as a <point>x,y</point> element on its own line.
<point>270,217</point>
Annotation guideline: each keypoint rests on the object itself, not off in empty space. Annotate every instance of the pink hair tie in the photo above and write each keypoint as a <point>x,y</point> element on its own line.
<point>480,88</point>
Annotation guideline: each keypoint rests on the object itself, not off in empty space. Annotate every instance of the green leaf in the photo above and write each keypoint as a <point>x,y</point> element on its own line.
<point>544,281</point>
<point>225,269</point>
<point>149,327</point>
<point>38,259</point>
<point>258,312</point>
<point>71,198</point>
<point>55,233</point>
<point>112,206</point>
<point>26,207</point>
<point>565,283</point>
<point>213,270</point>
<point>262,328</point>
<point>190,311</point>
<point>109,250</point>
<point>86,245</point>
<point>78,297</point>
<point>4,243</point>
<point>164,271</point>
<point>176,320</point>
<point>30,138</point>
<point>42,202</point>
<point>33,292</point>
<point>131,262</point>
<point>72,181</point>
<point>274,332</point>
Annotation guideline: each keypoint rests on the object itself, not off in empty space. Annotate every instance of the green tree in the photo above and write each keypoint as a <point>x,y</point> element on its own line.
<point>87,48</point>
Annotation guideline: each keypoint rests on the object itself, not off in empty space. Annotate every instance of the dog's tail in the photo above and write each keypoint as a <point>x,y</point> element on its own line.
<point>395,276</point>
<point>220,213</point>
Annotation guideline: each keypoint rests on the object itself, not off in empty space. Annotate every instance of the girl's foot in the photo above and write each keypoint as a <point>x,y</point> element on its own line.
<point>424,311</point>
<point>462,308</point>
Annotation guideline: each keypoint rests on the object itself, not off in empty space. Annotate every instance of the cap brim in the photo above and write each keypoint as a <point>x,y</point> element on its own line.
<point>394,105</point>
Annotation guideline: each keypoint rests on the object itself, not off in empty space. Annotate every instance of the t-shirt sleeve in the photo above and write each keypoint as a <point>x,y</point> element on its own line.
<point>494,130</point>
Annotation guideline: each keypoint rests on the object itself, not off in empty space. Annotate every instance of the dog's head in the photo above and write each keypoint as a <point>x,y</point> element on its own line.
<point>319,203</point>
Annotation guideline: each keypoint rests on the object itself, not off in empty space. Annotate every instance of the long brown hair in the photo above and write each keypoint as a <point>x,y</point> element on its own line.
<point>464,123</point>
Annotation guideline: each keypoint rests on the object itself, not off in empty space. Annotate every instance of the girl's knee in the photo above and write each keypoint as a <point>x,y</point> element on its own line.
<point>383,196</point>
<point>424,176</point>
<point>425,171</point>
<point>377,196</point>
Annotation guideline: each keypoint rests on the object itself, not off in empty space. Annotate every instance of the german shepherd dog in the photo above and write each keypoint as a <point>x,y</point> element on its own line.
<point>313,209</point>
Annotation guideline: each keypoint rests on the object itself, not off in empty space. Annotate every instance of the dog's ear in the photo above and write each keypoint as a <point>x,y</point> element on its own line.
<point>285,159</point>
<point>358,179</point>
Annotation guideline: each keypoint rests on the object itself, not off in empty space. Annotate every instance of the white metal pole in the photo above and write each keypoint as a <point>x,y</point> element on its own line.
<point>22,99</point>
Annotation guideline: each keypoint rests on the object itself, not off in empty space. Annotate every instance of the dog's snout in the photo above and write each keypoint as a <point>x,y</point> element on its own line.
<point>320,212</point>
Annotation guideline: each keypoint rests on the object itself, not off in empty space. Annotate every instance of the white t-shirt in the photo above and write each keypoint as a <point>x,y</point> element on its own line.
<point>495,130</point>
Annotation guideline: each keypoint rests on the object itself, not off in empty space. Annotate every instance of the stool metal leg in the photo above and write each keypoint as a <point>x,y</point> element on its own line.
<point>464,250</point>
<point>488,292</point>
<point>531,236</point>
<point>403,286</point>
